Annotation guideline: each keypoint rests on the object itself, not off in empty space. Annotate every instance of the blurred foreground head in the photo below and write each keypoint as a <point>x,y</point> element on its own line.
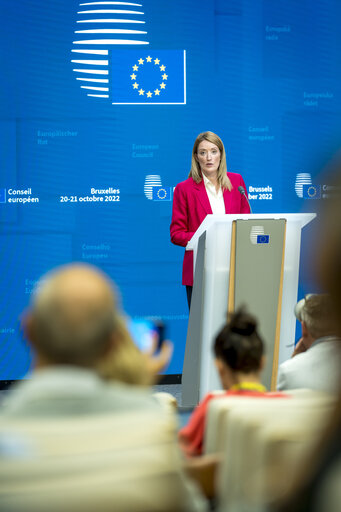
<point>329,255</point>
<point>72,317</point>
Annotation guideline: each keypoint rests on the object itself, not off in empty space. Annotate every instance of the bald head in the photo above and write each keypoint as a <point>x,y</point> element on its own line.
<point>73,315</point>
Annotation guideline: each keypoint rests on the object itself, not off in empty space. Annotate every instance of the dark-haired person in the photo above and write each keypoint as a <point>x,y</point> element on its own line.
<point>239,353</point>
<point>208,189</point>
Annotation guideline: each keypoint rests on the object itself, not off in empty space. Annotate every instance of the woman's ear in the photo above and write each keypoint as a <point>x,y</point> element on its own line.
<point>262,363</point>
<point>305,332</point>
<point>226,375</point>
<point>220,367</point>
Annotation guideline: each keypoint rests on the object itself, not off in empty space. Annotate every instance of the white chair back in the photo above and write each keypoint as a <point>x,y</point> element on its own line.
<point>126,462</point>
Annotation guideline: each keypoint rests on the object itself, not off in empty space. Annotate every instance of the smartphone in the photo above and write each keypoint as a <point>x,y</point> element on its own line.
<point>143,332</point>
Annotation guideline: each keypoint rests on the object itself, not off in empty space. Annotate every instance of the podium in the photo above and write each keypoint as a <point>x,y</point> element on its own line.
<point>250,259</point>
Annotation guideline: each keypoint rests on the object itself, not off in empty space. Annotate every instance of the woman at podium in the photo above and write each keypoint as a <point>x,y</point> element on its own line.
<point>209,188</point>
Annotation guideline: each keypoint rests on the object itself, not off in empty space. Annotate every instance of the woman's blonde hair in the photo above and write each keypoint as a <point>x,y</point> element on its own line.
<point>125,363</point>
<point>195,171</point>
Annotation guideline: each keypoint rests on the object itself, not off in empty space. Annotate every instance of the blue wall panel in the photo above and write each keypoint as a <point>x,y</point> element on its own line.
<point>264,75</point>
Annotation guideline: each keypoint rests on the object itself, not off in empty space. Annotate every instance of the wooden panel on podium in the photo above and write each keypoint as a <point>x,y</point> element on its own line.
<point>231,294</point>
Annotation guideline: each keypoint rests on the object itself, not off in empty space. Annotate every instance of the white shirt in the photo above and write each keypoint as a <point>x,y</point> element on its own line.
<point>318,368</point>
<point>216,198</point>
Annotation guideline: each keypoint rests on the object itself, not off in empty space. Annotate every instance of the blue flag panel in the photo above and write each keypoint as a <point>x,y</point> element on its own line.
<point>147,76</point>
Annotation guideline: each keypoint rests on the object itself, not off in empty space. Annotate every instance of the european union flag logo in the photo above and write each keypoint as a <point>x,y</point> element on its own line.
<point>312,191</point>
<point>148,77</point>
<point>2,195</point>
<point>162,193</point>
<point>263,239</point>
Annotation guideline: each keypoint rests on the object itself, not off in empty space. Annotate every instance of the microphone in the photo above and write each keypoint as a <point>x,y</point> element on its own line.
<point>242,192</point>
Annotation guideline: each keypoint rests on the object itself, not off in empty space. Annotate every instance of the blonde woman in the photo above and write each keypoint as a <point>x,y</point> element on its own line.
<point>208,189</point>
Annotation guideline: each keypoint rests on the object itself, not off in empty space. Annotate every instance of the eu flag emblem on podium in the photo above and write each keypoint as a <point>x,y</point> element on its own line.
<point>148,77</point>
<point>263,239</point>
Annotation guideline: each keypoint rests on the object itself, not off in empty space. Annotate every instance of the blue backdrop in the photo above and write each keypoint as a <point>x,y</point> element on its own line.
<point>100,106</point>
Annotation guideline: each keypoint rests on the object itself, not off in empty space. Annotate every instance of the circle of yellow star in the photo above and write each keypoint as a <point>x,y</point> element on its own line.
<point>164,76</point>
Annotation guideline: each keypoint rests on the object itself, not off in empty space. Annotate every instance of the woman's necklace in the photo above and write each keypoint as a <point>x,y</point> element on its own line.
<point>248,386</point>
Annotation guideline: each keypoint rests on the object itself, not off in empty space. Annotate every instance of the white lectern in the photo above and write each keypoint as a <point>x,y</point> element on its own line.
<point>250,259</point>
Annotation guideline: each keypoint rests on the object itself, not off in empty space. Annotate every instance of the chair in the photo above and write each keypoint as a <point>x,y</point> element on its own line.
<point>264,444</point>
<point>127,462</point>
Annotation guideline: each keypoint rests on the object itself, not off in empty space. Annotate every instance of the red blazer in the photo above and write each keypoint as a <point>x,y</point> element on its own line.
<point>190,207</point>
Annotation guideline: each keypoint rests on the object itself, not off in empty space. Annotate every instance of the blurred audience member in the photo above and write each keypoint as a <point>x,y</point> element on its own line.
<point>314,364</point>
<point>239,353</point>
<point>75,330</point>
<point>129,365</point>
<point>319,489</point>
